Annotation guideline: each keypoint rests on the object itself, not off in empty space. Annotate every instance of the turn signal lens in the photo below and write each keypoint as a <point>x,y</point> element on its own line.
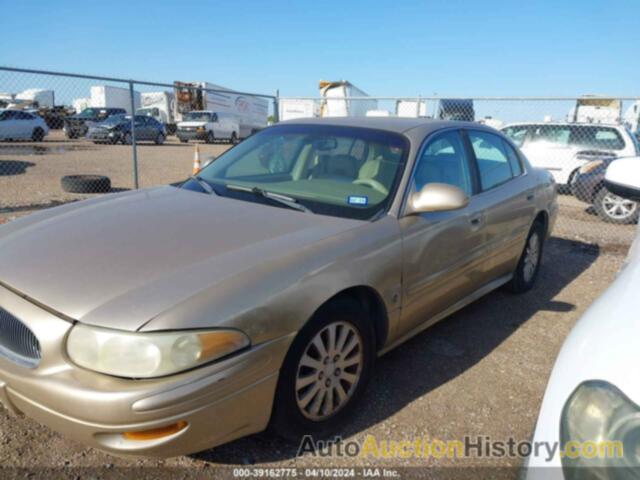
<point>156,433</point>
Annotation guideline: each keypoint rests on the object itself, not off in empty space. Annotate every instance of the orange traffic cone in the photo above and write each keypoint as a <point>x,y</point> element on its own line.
<point>196,161</point>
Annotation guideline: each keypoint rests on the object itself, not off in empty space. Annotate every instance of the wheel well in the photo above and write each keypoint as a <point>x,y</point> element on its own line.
<point>371,302</point>
<point>543,218</point>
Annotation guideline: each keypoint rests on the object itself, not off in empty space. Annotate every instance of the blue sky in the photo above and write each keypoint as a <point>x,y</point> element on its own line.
<point>452,47</point>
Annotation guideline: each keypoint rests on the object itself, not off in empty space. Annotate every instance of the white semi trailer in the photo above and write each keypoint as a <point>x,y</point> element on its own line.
<point>336,100</point>
<point>250,112</point>
<point>107,96</point>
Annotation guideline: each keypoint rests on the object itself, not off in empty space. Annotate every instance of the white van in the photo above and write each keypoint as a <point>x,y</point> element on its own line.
<point>208,126</point>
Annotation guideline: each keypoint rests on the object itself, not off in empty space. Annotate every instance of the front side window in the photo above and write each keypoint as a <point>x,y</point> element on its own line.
<point>492,160</point>
<point>555,134</point>
<point>312,164</point>
<point>444,161</point>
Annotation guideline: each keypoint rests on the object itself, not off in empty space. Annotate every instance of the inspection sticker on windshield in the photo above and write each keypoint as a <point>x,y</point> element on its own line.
<point>357,200</point>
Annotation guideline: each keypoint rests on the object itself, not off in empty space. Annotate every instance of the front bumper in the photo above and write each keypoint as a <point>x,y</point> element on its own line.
<point>220,402</point>
<point>105,135</point>
<point>191,135</point>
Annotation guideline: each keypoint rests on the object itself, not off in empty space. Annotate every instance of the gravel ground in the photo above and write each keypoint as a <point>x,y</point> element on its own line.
<point>481,372</point>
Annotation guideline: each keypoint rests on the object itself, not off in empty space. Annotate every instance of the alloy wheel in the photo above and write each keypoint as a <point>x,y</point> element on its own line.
<point>617,207</point>
<point>329,371</point>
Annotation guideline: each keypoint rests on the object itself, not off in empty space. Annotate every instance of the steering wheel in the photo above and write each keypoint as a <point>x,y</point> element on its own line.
<point>371,183</point>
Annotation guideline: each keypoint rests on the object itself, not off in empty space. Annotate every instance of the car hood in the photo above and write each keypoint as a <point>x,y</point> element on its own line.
<point>119,260</point>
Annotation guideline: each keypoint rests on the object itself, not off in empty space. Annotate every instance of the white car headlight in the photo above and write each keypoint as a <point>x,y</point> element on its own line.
<point>152,354</point>
<point>600,433</point>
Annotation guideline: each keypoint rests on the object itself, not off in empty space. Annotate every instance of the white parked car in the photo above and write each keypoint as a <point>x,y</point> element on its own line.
<point>209,126</point>
<point>593,395</point>
<point>562,148</point>
<point>20,125</point>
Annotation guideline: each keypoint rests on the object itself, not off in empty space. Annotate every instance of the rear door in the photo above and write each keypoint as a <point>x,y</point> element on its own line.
<point>8,124</point>
<point>506,197</point>
<point>443,252</point>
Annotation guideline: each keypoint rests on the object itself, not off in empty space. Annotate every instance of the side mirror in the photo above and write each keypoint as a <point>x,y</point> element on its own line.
<point>623,178</point>
<point>437,197</point>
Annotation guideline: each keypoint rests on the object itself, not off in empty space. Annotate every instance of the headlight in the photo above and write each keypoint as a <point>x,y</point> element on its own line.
<point>146,355</point>
<point>590,166</point>
<point>600,430</point>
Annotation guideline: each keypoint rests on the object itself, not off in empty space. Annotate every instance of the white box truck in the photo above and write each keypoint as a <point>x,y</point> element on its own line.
<point>106,96</point>
<point>336,102</point>
<point>292,108</point>
<point>159,105</point>
<point>410,108</point>
<point>38,97</point>
<point>250,112</point>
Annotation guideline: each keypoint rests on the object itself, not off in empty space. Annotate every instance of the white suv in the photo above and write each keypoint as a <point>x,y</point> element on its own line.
<point>562,148</point>
<point>208,126</point>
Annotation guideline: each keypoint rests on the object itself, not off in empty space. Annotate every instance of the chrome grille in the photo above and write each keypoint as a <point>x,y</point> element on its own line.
<point>17,342</point>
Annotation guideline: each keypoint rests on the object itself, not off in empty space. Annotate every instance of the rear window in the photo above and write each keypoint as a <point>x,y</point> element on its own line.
<point>603,138</point>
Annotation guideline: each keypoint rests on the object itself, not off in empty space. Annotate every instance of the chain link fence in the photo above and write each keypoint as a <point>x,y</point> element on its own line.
<point>65,137</point>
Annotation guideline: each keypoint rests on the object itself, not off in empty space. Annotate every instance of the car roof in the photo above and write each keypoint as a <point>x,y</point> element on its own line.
<point>564,124</point>
<point>391,124</point>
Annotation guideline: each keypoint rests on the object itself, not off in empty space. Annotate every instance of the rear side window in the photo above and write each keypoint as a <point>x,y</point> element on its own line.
<point>514,159</point>
<point>603,138</point>
<point>556,134</point>
<point>493,163</point>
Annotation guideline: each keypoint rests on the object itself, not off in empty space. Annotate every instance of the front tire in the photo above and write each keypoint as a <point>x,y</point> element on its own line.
<point>37,135</point>
<point>159,139</point>
<point>127,139</point>
<point>325,372</point>
<point>210,137</point>
<point>528,267</point>
<point>234,138</point>
<point>614,209</point>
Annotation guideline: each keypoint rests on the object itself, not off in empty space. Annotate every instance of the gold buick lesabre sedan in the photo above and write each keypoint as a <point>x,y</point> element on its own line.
<point>259,292</point>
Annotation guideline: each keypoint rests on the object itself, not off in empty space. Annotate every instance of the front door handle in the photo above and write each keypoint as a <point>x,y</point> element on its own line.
<point>476,222</point>
<point>530,197</point>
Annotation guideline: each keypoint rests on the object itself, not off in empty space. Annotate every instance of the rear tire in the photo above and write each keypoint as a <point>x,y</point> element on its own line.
<point>210,137</point>
<point>319,387</point>
<point>614,209</point>
<point>127,139</point>
<point>37,135</point>
<point>184,140</point>
<point>528,267</point>
<point>234,138</point>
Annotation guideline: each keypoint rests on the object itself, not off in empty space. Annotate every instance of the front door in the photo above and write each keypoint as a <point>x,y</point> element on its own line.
<point>443,252</point>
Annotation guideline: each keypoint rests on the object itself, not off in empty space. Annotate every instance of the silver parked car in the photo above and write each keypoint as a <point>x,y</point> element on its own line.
<point>259,292</point>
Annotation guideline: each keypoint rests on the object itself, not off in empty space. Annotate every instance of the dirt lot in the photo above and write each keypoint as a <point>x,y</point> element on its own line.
<point>482,371</point>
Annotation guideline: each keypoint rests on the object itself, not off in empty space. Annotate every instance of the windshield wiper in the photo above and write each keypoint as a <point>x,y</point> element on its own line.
<point>276,197</point>
<point>204,185</point>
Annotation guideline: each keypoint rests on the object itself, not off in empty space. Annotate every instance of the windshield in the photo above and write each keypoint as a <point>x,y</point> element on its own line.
<point>340,171</point>
<point>89,112</point>
<point>197,117</point>
<point>115,119</point>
